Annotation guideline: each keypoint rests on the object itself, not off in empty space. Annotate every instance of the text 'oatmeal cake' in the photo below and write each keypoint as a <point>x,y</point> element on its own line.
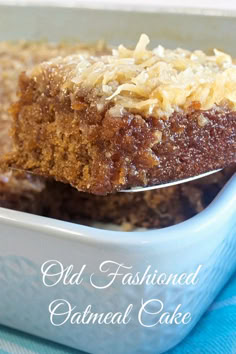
<point>133,118</point>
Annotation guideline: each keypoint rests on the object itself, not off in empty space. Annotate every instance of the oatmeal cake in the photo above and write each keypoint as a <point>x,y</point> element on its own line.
<point>150,209</point>
<point>22,191</point>
<point>134,118</point>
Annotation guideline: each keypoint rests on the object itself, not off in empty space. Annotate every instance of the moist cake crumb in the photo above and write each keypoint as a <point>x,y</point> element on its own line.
<point>19,190</point>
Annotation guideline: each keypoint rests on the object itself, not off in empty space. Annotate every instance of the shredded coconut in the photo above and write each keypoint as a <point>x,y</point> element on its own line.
<point>156,82</point>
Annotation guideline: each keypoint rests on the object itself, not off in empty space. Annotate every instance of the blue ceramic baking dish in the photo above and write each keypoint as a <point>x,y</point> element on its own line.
<point>104,291</point>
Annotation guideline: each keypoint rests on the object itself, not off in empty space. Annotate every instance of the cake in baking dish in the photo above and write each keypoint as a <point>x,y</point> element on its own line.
<point>131,118</point>
<point>27,192</point>
<point>30,193</point>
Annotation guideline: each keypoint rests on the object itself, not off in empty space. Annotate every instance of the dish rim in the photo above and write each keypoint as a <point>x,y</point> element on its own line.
<point>129,7</point>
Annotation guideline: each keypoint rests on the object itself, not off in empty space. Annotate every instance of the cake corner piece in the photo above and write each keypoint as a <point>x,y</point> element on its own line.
<point>133,118</point>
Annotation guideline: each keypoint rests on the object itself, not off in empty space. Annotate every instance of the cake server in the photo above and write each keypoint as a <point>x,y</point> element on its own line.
<point>169,184</point>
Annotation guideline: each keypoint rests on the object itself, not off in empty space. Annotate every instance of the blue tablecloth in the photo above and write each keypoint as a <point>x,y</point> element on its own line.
<point>214,334</point>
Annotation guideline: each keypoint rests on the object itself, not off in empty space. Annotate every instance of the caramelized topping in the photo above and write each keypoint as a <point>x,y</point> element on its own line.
<point>154,82</point>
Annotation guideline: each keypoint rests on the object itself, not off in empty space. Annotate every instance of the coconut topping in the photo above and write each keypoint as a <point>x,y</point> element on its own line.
<point>154,82</point>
